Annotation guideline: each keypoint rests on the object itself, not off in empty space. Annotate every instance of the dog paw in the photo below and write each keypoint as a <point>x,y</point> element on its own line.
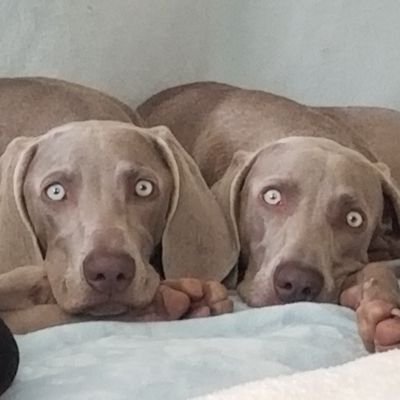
<point>182,299</point>
<point>205,298</point>
<point>379,325</point>
<point>375,296</point>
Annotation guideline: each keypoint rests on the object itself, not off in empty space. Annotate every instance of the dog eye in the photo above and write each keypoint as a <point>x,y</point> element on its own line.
<point>144,188</point>
<point>55,192</point>
<point>272,197</point>
<point>354,219</point>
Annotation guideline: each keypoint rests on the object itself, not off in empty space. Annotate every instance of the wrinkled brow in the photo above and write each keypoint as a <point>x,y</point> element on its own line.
<point>132,169</point>
<point>64,175</point>
<point>348,199</point>
<point>345,201</point>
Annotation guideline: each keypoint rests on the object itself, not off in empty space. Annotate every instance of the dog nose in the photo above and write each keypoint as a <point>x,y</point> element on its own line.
<point>109,272</point>
<point>297,282</point>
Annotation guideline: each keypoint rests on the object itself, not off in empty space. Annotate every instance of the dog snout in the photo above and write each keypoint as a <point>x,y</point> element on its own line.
<point>109,272</point>
<point>294,281</point>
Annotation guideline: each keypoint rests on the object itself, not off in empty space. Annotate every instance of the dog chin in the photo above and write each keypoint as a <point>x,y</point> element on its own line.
<point>107,310</point>
<point>262,301</point>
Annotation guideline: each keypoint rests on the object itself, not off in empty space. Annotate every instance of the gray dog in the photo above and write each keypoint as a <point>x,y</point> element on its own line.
<point>89,209</point>
<point>306,199</point>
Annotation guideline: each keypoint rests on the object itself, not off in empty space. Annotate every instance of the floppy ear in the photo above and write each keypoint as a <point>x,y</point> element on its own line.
<point>196,240</point>
<point>18,244</point>
<point>386,241</point>
<point>227,189</point>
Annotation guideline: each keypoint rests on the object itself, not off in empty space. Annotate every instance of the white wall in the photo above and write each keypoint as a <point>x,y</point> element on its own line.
<point>317,51</point>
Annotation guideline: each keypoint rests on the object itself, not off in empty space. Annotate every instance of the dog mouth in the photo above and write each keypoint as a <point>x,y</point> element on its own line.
<point>109,309</point>
<point>257,294</point>
<point>97,305</point>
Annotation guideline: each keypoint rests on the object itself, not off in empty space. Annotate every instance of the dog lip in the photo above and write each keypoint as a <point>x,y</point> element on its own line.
<point>259,298</point>
<point>107,309</point>
<point>256,302</point>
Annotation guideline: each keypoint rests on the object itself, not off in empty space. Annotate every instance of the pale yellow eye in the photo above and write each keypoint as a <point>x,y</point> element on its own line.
<point>144,188</point>
<point>354,219</point>
<point>272,197</point>
<point>55,192</point>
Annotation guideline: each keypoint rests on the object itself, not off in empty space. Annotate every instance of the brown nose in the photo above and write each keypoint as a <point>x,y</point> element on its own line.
<point>297,282</point>
<point>109,272</point>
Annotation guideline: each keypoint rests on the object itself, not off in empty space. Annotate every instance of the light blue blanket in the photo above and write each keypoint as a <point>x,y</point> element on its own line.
<point>183,359</point>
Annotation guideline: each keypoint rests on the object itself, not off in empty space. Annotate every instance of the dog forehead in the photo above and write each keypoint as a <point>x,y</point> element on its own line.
<point>289,157</point>
<point>98,143</point>
<point>316,162</point>
<point>357,176</point>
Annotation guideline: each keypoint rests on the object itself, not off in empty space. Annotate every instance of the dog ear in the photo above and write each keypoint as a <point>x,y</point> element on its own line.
<point>18,243</point>
<point>196,240</point>
<point>386,240</point>
<point>227,189</point>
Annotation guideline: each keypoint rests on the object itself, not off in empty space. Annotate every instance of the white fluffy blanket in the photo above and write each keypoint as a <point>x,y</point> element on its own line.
<point>375,377</point>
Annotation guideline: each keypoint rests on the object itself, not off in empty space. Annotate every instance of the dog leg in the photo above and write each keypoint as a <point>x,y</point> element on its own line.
<point>27,303</point>
<point>36,318</point>
<point>24,287</point>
